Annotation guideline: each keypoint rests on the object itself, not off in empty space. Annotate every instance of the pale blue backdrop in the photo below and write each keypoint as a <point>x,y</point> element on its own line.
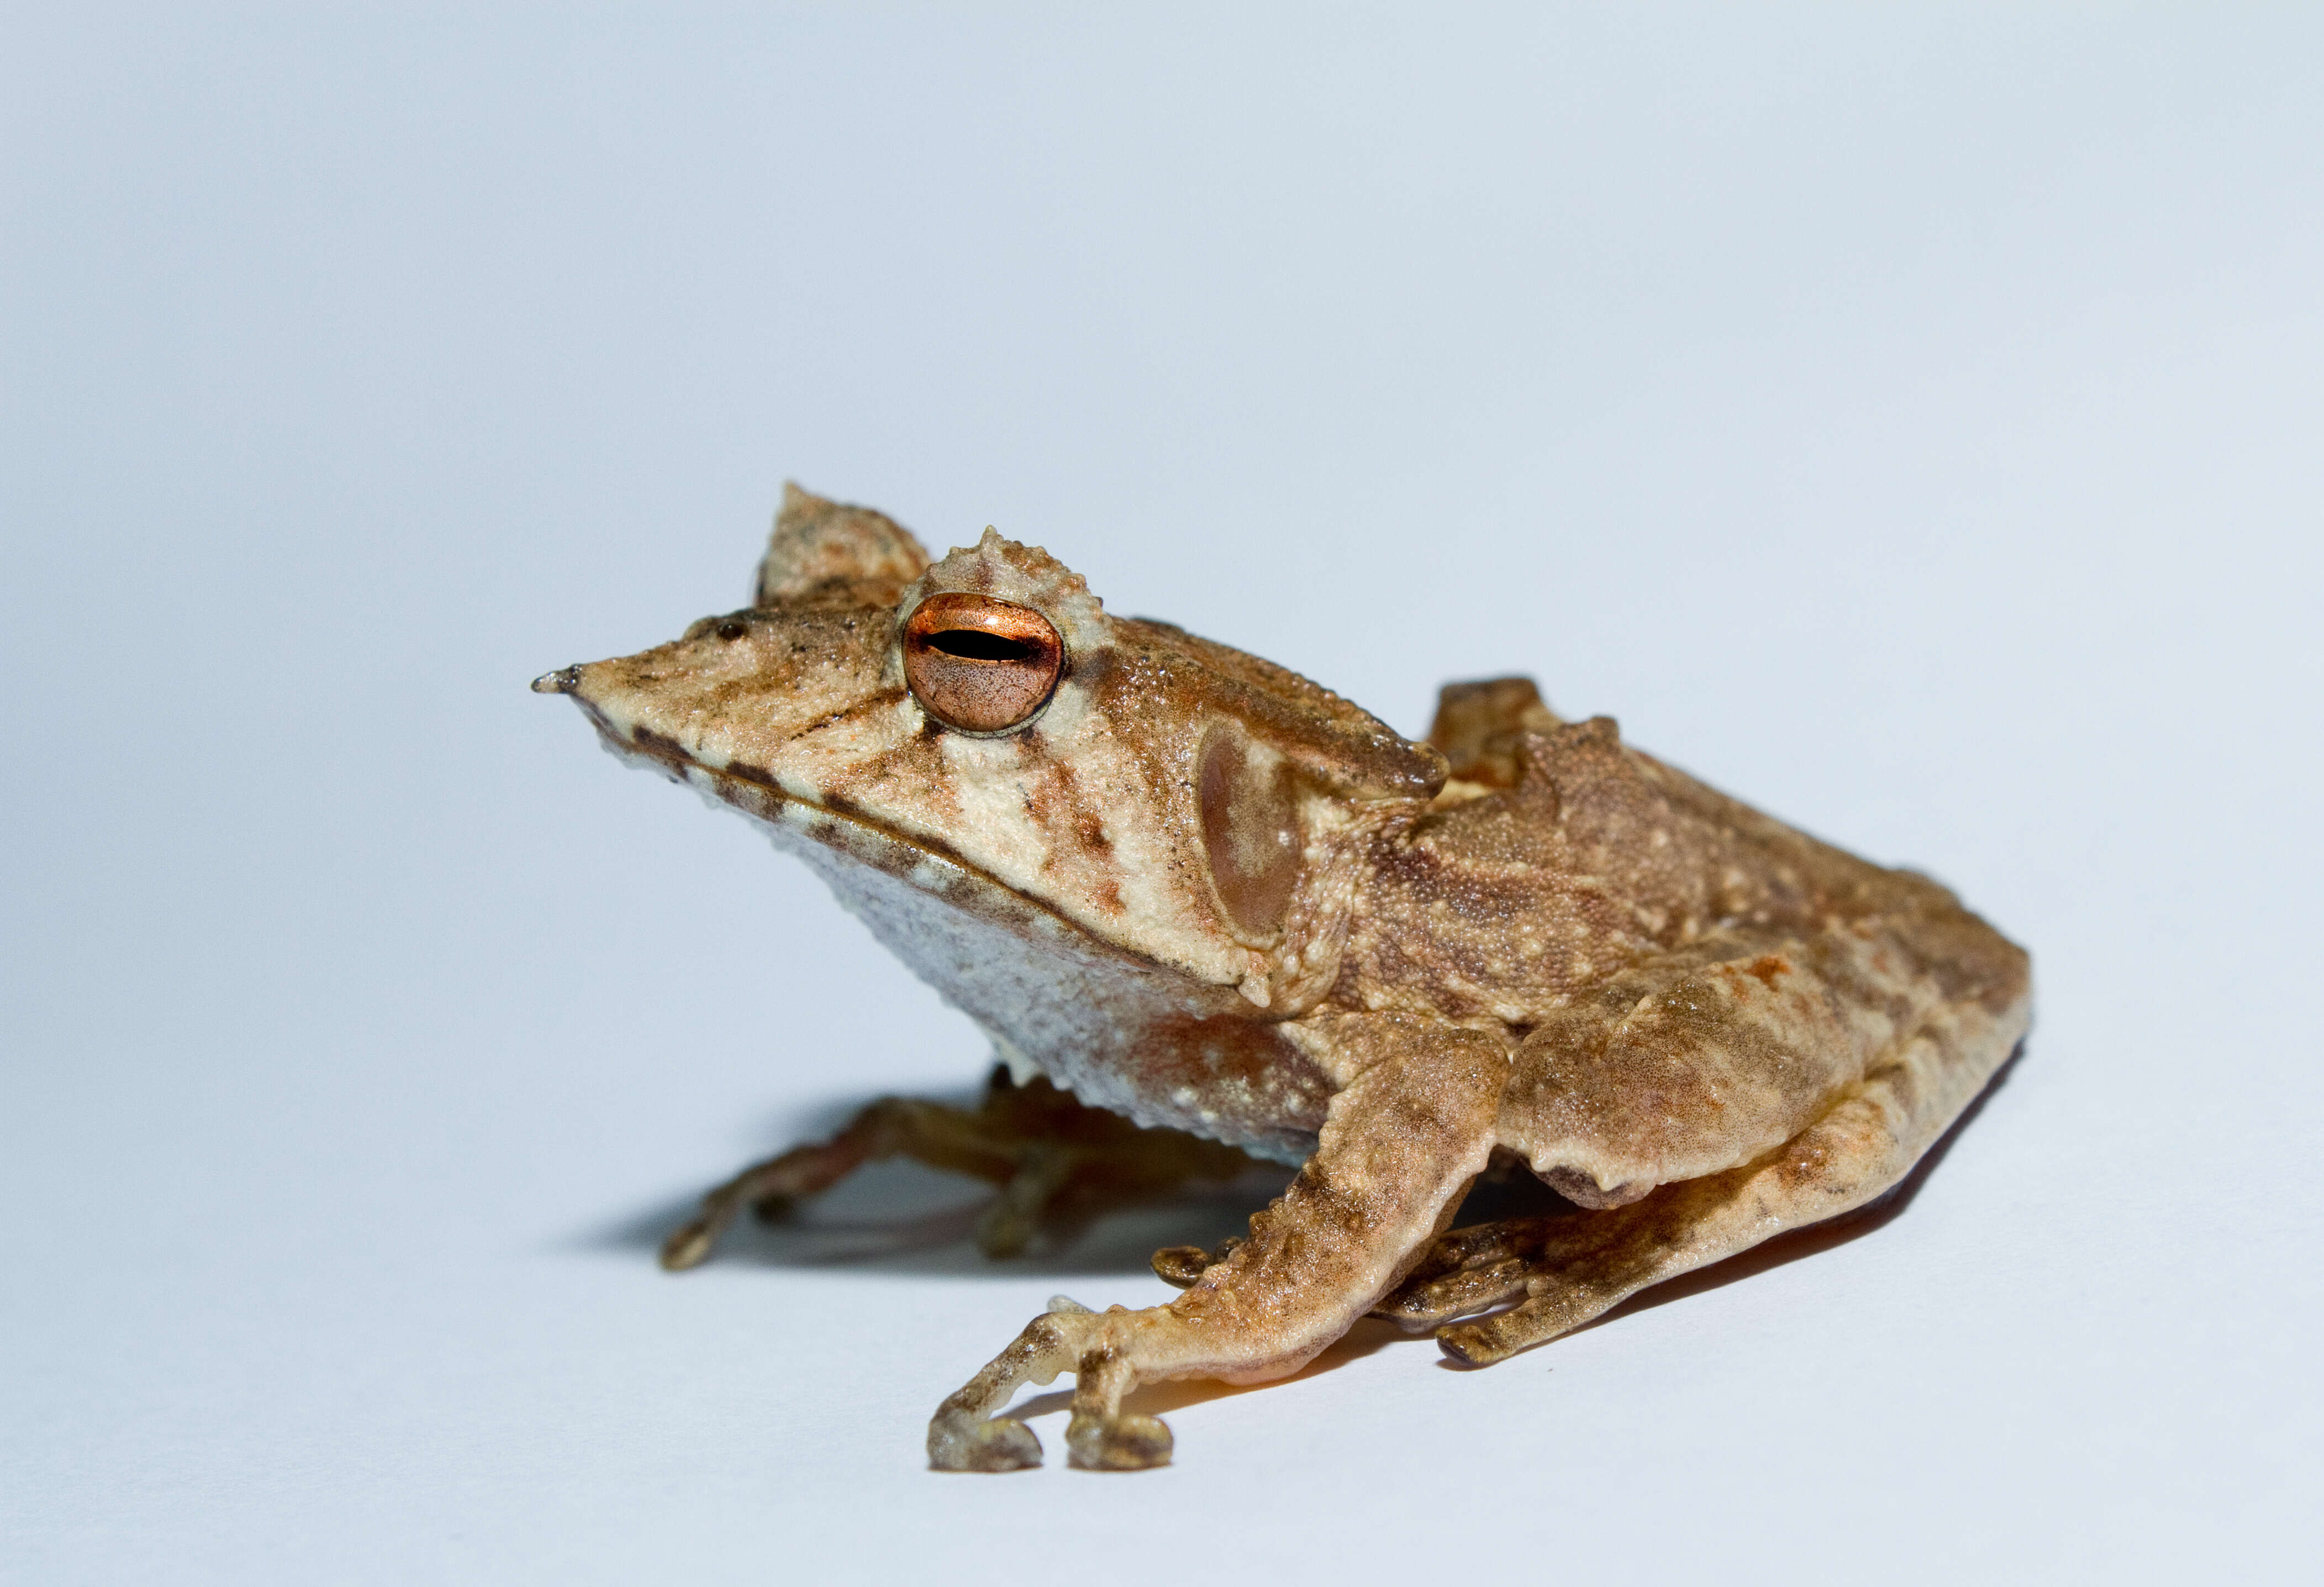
<point>1908,418</point>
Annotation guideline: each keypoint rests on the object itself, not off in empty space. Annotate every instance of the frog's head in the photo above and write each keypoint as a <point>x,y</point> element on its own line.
<point>1164,794</point>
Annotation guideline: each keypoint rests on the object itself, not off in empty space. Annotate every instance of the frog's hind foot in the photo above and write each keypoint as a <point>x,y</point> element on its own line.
<point>1047,1152</point>
<point>1466,1270</point>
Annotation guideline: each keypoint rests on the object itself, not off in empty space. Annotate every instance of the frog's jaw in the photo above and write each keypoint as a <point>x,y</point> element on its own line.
<point>794,813</point>
<point>1075,812</point>
<point>1096,1017</point>
<point>797,783</point>
<point>816,789</point>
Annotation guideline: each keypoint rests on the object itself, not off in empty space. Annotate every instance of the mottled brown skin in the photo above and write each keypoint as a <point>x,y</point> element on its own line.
<point>1200,892</point>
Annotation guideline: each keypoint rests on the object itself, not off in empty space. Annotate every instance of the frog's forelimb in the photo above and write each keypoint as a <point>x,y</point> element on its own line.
<point>1400,1144</point>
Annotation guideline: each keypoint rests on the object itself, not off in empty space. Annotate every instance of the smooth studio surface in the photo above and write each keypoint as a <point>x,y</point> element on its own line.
<point>1907,422</point>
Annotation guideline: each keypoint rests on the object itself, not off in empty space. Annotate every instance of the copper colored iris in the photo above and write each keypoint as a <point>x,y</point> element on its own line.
<point>980,664</point>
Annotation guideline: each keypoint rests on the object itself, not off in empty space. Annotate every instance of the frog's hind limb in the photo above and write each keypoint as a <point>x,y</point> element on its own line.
<point>1564,1270</point>
<point>1927,1009</point>
<point>1404,1137</point>
<point>1042,1148</point>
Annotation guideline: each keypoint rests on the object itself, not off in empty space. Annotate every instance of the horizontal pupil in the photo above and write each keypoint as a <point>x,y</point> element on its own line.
<point>976,645</point>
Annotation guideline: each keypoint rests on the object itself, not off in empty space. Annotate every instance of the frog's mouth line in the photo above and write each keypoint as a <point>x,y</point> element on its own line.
<point>661,750</point>
<point>932,868</point>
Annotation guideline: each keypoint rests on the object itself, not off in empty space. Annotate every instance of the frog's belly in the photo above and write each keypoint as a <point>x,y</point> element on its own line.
<point>1116,1030</point>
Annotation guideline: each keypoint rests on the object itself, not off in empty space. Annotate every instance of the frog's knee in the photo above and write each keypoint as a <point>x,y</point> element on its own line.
<point>1691,1073</point>
<point>1583,1190</point>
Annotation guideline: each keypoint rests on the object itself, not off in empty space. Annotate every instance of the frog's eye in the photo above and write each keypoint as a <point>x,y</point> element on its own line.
<point>979,664</point>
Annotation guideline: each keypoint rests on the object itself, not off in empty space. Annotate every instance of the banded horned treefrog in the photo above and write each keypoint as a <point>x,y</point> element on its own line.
<point>1203,906</point>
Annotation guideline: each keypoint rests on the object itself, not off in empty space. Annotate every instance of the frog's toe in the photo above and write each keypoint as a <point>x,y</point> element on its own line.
<point>1471,1270</point>
<point>1028,1198</point>
<point>1417,1307</point>
<point>1181,1264</point>
<point>1123,1441</point>
<point>689,1245</point>
<point>1542,1315</point>
<point>1001,1443</point>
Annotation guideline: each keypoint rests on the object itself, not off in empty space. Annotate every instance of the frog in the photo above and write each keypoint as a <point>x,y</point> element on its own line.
<point>1209,912</point>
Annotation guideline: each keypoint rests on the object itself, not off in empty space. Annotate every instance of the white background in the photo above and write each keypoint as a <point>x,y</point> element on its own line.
<point>1912,420</point>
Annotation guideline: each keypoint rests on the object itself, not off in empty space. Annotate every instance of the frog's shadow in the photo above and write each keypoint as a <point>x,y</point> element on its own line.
<point>899,1217</point>
<point>902,1217</point>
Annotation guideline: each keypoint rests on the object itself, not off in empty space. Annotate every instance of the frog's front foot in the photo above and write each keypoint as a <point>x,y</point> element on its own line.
<point>964,1435</point>
<point>1099,1349</point>
<point>1398,1144</point>
<point>1094,1441</point>
<point>1122,1442</point>
<point>1102,1436</point>
<point>966,1444</point>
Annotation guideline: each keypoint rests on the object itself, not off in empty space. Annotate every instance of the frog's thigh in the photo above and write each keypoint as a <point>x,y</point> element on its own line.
<point>1971,1006</point>
<point>1859,1148</point>
<point>1692,1063</point>
<point>1411,1128</point>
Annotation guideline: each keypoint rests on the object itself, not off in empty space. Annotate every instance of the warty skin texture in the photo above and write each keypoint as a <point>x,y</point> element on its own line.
<point>1201,892</point>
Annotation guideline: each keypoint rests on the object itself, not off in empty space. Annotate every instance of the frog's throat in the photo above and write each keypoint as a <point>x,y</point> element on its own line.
<point>1048,992</point>
<point>927,866</point>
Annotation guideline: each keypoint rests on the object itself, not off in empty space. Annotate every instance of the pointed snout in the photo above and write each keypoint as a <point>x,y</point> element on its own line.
<point>741,689</point>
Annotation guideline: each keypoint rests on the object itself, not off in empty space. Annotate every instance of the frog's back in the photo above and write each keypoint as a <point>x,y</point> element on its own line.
<point>1510,902</point>
<point>1687,984</point>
